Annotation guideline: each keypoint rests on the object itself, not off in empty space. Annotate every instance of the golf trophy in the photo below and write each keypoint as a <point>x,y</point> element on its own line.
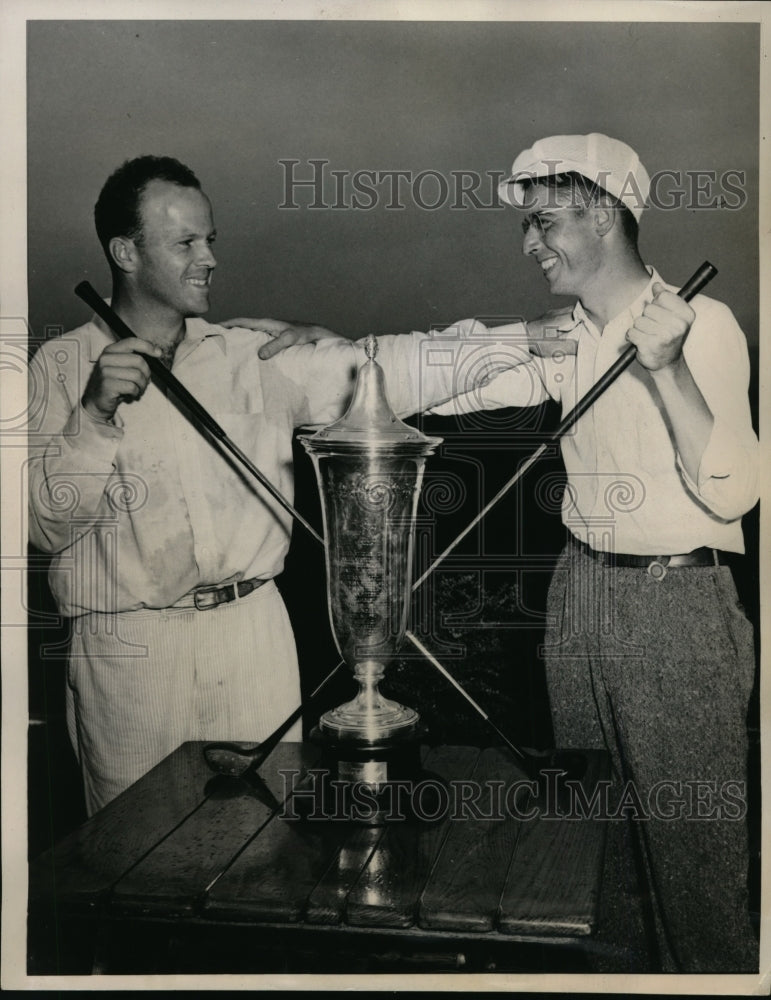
<point>369,468</point>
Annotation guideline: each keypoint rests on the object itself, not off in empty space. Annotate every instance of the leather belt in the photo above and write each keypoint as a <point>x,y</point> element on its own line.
<point>205,598</point>
<point>656,566</point>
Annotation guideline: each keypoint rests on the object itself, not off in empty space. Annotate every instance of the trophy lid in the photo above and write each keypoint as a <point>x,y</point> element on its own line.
<point>369,419</point>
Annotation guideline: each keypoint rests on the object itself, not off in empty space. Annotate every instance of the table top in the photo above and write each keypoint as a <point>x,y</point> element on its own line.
<point>179,845</point>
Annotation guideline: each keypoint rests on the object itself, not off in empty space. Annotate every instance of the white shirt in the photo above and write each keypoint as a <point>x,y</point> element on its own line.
<point>139,514</point>
<point>627,490</point>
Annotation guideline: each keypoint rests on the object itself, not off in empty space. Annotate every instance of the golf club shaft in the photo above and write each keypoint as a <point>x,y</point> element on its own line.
<point>169,381</point>
<point>701,277</point>
<point>692,287</point>
<point>271,742</point>
<point>448,676</point>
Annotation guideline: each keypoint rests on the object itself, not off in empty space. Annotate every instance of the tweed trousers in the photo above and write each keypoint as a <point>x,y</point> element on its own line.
<point>659,672</point>
<point>140,683</point>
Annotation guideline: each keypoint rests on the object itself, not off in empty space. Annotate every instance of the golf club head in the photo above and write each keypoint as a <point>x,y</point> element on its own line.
<point>226,786</point>
<point>230,758</point>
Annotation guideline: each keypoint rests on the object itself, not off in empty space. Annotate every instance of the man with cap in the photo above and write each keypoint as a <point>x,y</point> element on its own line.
<point>647,651</point>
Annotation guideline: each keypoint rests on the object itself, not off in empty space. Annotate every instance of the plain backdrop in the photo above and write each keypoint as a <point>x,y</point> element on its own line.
<point>234,98</point>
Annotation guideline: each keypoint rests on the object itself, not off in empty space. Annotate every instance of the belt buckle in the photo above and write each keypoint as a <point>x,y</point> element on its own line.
<point>215,592</point>
<point>657,569</point>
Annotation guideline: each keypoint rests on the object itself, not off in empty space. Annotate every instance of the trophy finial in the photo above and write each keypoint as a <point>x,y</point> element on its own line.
<point>369,418</point>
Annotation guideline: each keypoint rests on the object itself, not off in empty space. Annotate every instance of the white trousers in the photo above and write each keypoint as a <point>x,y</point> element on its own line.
<point>141,683</point>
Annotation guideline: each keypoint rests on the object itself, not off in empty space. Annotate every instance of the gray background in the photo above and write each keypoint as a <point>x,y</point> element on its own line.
<point>232,98</point>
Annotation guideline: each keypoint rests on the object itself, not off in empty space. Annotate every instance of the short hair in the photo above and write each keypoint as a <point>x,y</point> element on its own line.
<point>117,210</point>
<point>591,194</point>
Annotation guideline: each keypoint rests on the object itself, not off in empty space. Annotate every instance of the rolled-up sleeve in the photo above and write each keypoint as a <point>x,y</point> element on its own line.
<point>716,354</point>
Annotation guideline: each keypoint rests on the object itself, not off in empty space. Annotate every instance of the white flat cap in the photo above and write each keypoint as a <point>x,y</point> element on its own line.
<point>607,162</point>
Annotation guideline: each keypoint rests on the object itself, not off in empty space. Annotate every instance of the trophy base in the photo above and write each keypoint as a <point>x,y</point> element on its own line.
<point>365,778</point>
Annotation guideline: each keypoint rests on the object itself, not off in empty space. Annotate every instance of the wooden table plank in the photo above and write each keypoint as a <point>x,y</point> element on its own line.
<point>273,878</point>
<point>88,861</point>
<point>389,887</point>
<point>327,900</point>
<point>168,849</point>
<point>173,878</point>
<point>554,880</point>
<point>464,889</point>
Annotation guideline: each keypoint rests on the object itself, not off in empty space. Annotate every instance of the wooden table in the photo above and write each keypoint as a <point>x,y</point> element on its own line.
<point>185,874</point>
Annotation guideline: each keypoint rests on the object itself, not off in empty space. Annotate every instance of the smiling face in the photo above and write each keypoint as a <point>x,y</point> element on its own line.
<point>561,236</point>
<point>174,258</point>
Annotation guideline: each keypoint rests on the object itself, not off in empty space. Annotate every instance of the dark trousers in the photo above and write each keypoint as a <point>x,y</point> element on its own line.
<point>660,672</point>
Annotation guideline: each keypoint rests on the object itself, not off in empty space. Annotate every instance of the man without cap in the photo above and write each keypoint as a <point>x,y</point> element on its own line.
<point>164,552</point>
<point>647,652</point>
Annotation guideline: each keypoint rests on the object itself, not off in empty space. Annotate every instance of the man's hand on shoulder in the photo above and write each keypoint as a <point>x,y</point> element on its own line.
<point>285,334</point>
<point>659,333</point>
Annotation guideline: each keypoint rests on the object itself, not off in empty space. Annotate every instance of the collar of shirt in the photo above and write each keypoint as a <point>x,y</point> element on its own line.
<point>616,328</point>
<point>196,331</point>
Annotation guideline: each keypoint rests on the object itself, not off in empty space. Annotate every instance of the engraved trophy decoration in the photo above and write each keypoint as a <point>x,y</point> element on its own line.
<point>369,468</point>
